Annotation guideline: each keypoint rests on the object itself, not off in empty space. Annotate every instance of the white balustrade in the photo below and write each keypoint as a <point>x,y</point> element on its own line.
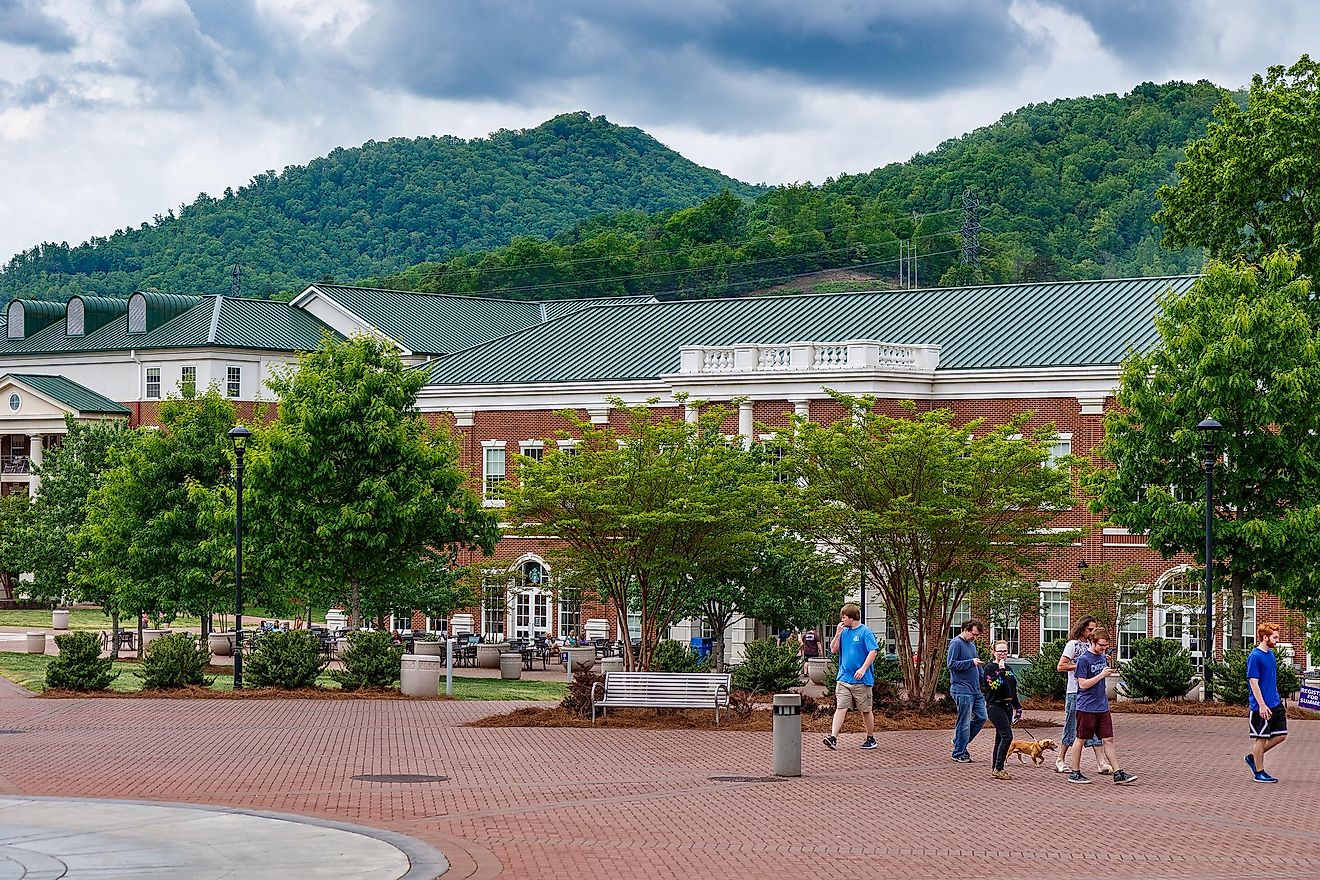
<point>804,357</point>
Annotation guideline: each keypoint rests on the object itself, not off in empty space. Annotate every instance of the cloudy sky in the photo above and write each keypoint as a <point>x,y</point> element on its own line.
<point>112,111</point>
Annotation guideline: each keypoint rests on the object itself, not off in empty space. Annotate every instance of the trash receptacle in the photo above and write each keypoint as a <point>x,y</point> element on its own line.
<point>511,665</point>
<point>420,676</point>
<point>701,645</point>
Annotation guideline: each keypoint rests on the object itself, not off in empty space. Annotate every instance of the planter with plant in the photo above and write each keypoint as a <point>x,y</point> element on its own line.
<point>428,645</point>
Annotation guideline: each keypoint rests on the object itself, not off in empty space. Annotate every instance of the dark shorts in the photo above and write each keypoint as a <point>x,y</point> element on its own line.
<point>1276,726</point>
<point>1091,724</point>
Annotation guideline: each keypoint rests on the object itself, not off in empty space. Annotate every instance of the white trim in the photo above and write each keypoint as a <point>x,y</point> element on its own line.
<point>358,323</point>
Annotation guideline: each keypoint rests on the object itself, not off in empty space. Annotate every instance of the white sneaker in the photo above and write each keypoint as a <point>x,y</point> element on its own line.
<point>1104,770</point>
<point>1061,767</point>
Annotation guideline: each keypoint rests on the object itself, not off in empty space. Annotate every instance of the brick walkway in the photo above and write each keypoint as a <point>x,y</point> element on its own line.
<point>612,803</point>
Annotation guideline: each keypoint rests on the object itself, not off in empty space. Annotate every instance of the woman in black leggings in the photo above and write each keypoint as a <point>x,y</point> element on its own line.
<point>1001,705</point>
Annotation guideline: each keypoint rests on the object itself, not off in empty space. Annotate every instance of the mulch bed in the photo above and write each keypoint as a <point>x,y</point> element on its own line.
<point>203,693</point>
<point>1173,707</point>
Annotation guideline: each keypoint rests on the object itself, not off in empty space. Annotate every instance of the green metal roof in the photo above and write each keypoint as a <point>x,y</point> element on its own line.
<point>99,310</point>
<point>437,323</point>
<point>207,321</point>
<point>71,394</point>
<point>1052,324</point>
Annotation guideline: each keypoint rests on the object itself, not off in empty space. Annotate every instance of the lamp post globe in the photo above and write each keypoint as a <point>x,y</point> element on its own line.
<point>1207,428</point>
<point>238,435</point>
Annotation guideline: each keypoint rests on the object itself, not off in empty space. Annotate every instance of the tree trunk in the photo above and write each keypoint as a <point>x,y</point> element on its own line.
<point>354,606</point>
<point>114,634</point>
<point>1236,584</point>
<point>140,627</point>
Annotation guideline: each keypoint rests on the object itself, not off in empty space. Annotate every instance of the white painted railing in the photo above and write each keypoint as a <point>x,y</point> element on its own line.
<point>810,357</point>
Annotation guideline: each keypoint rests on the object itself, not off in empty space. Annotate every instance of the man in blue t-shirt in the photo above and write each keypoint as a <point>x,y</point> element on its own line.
<point>1093,716</point>
<point>1269,721</point>
<point>856,646</point>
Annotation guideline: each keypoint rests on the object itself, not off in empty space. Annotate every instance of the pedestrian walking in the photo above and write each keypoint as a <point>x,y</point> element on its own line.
<point>1269,720</point>
<point>1093,716</point>
<point>964,662</point>
<point>999,685</point>
<point>856,646</point>
<point>810,647</point>
<point>1077,645</point>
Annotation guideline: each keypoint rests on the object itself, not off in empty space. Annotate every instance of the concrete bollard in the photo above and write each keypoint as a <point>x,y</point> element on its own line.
<point>787,734</point>
<point>449,667</point>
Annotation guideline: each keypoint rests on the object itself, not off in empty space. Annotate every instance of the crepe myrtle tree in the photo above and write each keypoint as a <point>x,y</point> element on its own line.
<point>930,511</point>
<point>1239,346</point>
<point>641,511</point>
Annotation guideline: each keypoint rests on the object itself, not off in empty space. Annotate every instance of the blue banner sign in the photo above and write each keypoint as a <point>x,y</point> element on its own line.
<point>1309,698</point>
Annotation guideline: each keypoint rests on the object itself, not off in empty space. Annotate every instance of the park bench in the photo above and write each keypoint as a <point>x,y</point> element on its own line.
<point>662,690</point>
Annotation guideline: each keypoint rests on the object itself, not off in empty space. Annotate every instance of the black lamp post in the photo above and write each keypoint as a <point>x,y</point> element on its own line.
<point>239,435</point>
<point>1207,428</point>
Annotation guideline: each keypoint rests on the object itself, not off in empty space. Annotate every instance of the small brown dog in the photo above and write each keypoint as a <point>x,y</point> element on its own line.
<point>1033,748</point>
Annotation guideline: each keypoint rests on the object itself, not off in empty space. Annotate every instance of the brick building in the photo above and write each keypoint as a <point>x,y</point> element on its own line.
<point>499,371</point>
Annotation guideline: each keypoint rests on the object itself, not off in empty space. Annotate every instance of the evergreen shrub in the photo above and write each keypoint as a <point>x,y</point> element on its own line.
<point>768,668</point>
<point>174,661</point>
<point>672,656</point>
<point>1159,669</point>
<point>371,661</point>
<point>79,666</point>
<point>285,660</point>
<point>1043,678</point>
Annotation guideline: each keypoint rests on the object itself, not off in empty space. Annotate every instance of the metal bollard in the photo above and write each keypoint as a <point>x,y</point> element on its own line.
<point>787,734</point>
<point>450,645</point>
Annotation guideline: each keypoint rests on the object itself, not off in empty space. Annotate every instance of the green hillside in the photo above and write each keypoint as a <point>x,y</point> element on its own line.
<point>1066,189</point>
<point>378,208</point>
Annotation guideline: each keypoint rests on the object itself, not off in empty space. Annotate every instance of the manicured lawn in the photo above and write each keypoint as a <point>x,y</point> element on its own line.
<point>29,671</point>
<point>96,620</point>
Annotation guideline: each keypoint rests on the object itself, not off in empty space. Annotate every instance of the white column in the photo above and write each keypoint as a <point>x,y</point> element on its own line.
<point>746,427</point>
<point>35,452</point>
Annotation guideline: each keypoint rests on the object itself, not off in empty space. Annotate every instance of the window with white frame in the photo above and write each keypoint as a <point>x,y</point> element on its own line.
<point>1130,629</point>
<point>962,612</point>
<point>233,381</point>
<point>1180,613</point>
<point>533,449</point>
<point>493,474</point>
<point>1248,620</point>
<point>570,611</point>
<point>153,383</point>
<point>1006,627</point>
<point>437,624</point>
<point>1058,447</point>
<point>188,382</point>
<point>494,605</point>
<point>568,446</point>
<point>1054,611</point>
<point>401,622</point>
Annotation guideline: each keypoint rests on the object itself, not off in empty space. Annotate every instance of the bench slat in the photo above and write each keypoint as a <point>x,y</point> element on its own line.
<point>665,690</point>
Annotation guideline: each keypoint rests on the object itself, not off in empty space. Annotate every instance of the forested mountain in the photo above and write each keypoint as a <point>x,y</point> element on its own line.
<point>1066,191</point>
<point>378,208</point>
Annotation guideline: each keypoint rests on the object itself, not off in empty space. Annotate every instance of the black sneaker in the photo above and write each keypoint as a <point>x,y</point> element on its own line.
<point>1078,778</point>
<point>1122,777</point>
<point>963,759</point>
<point>831,742</point>
<point>870,743</point>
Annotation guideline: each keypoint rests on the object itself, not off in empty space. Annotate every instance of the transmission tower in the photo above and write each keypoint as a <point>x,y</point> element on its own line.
<point>236,282</point>
<point>971,229</point>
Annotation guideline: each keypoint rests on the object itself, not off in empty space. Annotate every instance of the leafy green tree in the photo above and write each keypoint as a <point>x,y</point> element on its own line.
<point>642,511</point>
<point>143,547</point>
<point>69,472</point>
<point>354,499</point>
<point>929,511</point>
<point>1239,346</point>
<point>1110,593</point>
<point>17,538</point>
<point>1252,184</point>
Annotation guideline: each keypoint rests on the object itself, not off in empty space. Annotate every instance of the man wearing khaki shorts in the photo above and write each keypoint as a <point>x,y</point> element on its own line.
<point>856,646</point>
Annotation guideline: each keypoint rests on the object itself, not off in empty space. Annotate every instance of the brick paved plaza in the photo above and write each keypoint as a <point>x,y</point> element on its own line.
<point>618,803</point>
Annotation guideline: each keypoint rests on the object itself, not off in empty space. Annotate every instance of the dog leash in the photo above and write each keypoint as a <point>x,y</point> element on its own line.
<point>1027,729</point>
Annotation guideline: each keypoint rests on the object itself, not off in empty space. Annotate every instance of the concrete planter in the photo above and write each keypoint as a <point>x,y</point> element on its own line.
<point>510,666</point>
<point>221,644</point>
<point>419,676</point>
<point>59,619</point>
<point>429,649</point>
<point>581,658</point>
<point>36,643</point>
<point>488,655</point>
<point>609,664</point>
<point>150,635</point>
<point>816,669</point>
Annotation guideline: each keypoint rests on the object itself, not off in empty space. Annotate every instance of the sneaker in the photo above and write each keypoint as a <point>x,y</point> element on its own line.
<point>1262,776</point>
<point>1104,770</point>
<point>963,759</point>
<point>1000,774</point>
<point>1077,777</point>
<point>870,743</point>
<point>1122,777</point>
<point>1251,762</point>
<point>831,742</point>
<point>1061,766</point>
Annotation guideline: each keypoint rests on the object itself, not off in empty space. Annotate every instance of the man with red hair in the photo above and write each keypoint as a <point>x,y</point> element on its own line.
<point>1269,722</point>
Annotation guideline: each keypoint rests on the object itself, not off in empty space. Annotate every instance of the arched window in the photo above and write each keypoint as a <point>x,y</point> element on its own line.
<point>1180,611</point>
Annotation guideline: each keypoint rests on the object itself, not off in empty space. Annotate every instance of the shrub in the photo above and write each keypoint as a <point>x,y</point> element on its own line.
<point>768,668</point>
<point>888,673</point>
<point>1289,681</point>
<point>79,666</point>
<point>286,660</point>
<point>174,661</point>
<point>1230,678</point>
<point>1159,669</point>
<point>672,656</point>
<point>371,661</point>
<point>578,698</point>
<point>1043,678</point>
